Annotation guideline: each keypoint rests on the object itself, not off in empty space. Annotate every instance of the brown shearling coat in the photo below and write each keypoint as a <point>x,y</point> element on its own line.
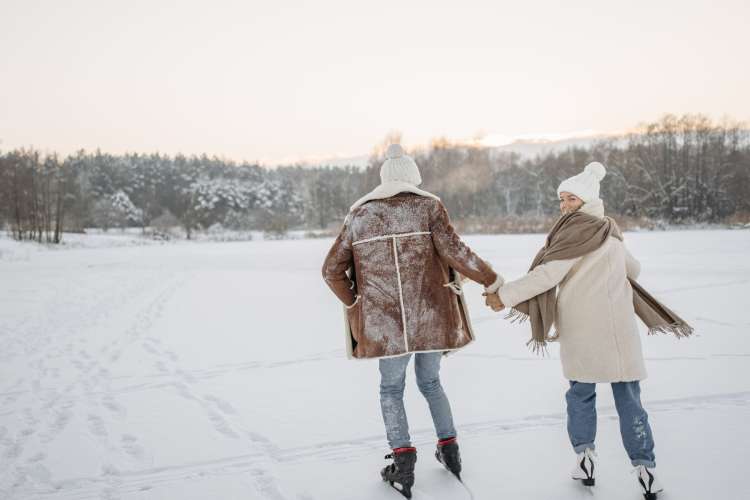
<point>390,266</point>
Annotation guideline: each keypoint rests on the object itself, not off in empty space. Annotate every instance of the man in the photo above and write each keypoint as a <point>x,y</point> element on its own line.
<point>396,267</point>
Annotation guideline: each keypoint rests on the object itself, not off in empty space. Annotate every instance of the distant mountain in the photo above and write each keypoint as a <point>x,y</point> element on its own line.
<point>526,146</point>
<point>534,147</point>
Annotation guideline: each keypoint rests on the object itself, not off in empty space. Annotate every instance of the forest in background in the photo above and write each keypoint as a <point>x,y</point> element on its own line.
<point>678,170</point>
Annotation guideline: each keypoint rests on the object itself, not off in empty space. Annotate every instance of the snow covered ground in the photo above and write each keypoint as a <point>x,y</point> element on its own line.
<point>217,371</point>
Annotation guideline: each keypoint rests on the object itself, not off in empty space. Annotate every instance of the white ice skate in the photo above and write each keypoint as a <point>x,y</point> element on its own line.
<point>650,485</point>
<point>584,468</point>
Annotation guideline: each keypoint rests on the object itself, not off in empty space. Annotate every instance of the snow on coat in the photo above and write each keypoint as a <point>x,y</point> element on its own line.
<point>394,266</point>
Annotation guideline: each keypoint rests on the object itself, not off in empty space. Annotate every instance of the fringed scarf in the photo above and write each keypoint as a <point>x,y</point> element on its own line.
<point>574,235</point>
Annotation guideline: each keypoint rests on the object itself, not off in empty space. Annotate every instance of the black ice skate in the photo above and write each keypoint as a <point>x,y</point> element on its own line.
<point>400,473</point>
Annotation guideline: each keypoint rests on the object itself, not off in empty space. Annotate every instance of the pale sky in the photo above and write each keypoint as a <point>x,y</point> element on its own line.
<point>280,80</point>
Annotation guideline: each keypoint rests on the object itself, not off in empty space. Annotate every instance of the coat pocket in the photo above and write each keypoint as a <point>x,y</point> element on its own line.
<point>354,318</point>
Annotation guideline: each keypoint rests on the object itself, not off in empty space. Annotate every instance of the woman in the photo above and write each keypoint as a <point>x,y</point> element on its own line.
<point>394,267</point>
<point>594,313</point>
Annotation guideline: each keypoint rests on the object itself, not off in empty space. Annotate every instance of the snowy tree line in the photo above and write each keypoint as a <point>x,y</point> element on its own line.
<point>677,170</point>
<point>134,190</point>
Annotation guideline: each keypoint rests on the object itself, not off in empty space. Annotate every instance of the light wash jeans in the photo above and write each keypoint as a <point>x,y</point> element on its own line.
<point>634,427</point>
<point>392,381</point>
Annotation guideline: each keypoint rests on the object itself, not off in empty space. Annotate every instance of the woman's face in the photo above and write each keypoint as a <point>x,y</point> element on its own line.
<point>569,202</point>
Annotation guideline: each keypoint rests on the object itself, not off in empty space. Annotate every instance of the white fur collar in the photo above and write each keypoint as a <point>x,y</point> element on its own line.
<point>594,207</point>
<point>388,189</point>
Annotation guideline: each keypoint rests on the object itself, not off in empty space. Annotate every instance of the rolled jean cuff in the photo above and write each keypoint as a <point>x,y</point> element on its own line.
<point>646,463</point>
<point>582,447</point>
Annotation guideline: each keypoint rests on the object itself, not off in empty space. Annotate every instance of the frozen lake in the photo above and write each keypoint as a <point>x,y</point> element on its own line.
<point>217,371</point>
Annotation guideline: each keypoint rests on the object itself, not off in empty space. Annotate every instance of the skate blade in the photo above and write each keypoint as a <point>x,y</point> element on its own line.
<point>457,474</point>
<point>404,490</point>
<point>588,482</point>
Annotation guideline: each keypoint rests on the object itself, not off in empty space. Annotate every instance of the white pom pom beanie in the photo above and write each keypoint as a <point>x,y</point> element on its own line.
<point>586,184</point>
<point>398,167</point>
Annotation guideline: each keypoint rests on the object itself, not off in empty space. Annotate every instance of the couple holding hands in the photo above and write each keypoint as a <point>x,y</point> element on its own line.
<point>397,266</point>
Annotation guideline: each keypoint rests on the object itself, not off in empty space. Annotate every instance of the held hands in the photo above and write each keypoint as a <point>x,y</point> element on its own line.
<point>492,297</point>
<point>493,301</point>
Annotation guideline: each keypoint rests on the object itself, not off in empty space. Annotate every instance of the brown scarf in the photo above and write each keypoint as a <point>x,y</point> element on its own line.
<point>574,235</point>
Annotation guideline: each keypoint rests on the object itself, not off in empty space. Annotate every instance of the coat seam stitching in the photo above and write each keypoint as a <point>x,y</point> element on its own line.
<point>391,236</point>
<point>400,293</point>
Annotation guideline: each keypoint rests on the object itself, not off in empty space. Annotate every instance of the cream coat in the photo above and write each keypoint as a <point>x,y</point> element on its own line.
<point>595,319</point>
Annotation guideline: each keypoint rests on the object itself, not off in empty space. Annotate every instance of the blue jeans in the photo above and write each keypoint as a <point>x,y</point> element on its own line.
<point>634,427</point>
<point>392,382</point>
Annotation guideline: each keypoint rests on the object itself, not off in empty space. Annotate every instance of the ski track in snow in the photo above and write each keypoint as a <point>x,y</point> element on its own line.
<point>224,418</point>
<point>50,410</point>
<point>91,389</point>
<point>333,451</point>
<point>701,287</point>
<point>167,376</point>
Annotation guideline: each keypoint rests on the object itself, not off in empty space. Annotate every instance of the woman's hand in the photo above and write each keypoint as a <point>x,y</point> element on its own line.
<point>493,300</point>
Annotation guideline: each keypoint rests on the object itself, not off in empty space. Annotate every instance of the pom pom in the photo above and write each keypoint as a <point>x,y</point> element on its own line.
<point>394,151</point>
<point>596,169</point>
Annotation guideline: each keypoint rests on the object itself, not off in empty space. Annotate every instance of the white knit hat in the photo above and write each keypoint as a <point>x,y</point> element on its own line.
<point>398,167</point>
<point>586,184</point>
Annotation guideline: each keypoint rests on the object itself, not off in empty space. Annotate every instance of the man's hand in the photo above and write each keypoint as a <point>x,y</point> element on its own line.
<point>493,300</point>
